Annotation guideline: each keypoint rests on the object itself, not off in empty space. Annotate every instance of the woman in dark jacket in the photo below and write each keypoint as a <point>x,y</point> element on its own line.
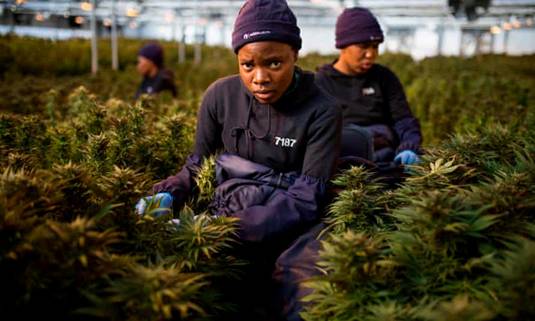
<point>279,136</point>
<point>378,122</point>
<point>156,78</point>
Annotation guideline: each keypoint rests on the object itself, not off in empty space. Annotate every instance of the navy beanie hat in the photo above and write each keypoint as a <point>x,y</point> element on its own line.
<point>264,20</point>
<point>357,25</point>
<point>153,52</point>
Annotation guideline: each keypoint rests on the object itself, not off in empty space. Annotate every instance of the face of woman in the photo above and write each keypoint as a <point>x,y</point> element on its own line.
<point>357,58</point>
<point>145,67</point>
<point>267,68</point>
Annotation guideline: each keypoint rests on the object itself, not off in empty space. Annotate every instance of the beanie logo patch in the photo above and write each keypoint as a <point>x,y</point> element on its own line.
<point>255,33</point>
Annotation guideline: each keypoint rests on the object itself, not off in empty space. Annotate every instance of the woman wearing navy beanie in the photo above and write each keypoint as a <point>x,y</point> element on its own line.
<point>156,78</point>
<point>378,122</point>
<point>279,137</point>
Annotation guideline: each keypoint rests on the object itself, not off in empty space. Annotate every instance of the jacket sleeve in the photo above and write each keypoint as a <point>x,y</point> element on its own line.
<point>207,142</point>
<point>406,126</point>
<point>323,146</point>
<point>169,82</point>
<point>181,184</point>
<point>408,131</point>
<point>301,204</point>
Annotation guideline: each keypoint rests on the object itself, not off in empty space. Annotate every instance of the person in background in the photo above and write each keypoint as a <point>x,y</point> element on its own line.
<point>156,78</point>
<point>278,139</point>
<point>378,123</point>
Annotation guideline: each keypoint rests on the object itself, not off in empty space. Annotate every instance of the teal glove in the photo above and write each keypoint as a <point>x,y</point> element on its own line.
<point>407,157</point>
<point>161,204</point>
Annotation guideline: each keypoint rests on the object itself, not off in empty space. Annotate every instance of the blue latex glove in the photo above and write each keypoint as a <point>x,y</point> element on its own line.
<point>407,157</point>
<point>159,204</point>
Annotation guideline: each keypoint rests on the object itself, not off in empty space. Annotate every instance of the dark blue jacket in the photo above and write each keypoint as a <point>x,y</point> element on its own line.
<point>164,80</point>
<point>299,134</point>
<point>269,204</point>
<point>374,98</point>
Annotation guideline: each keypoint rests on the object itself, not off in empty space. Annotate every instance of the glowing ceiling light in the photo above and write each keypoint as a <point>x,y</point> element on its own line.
<point>39,17</point>
<point>86,6</point>
<point>79,20</point>
<point>495,30</point>
<point>106,22</point>
<point>132,12</point>
<point>132,25</point>
<point>507,26</point>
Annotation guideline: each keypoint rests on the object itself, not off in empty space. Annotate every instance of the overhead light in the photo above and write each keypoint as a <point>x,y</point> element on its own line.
<point>507,26</point>
<point>79,20</point>
<point>39,17</point>
<point>86,6</point>
<point>132,12</point>
<point>495,30</point>
<point>107,22</point>
<point>132,25</point>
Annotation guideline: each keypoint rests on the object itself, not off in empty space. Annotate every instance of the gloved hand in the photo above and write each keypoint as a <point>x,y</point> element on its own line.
<point>160,204</point>
<point>407,157</point>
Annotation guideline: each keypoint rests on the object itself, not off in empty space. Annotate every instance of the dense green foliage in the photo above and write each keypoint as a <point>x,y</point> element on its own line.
<point>453,242</point>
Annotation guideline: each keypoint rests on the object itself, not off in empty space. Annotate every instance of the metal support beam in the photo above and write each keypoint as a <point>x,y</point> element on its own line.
<point>114,47</point>
<point>440,44</point>
<point>197,57</point>
<point>182,46</point>
<point>94,48</point>
<point>505,41</point>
